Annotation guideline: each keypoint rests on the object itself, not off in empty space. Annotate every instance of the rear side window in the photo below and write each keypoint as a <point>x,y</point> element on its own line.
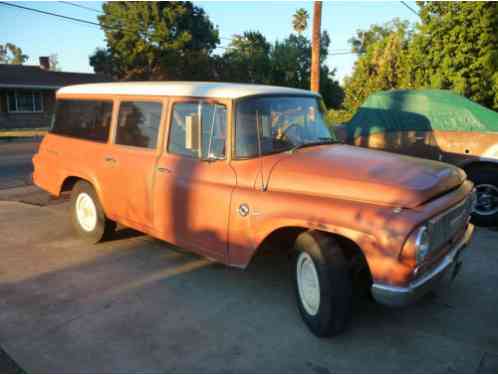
<point>84,119</point>
<point>138,124</point>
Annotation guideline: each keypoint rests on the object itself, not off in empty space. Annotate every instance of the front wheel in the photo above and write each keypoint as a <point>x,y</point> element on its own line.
<point>87,215</point>
<point>322,283</point>
<point>485,179</point>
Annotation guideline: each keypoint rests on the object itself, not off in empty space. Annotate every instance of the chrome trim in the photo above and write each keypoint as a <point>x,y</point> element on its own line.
<point>400,296</point>
<point>445,225</point>
<point>38,87</point>
<point>418,239</point>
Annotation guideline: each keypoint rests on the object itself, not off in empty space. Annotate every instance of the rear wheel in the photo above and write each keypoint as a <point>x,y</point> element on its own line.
<point>485,179</point>
<point>322,284</point>
<point>87,215</point>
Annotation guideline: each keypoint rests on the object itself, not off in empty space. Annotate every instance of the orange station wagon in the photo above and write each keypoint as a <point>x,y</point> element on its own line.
<point>230,170</point>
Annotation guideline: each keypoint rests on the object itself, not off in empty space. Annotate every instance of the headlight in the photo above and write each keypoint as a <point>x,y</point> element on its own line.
<point>422,244</point>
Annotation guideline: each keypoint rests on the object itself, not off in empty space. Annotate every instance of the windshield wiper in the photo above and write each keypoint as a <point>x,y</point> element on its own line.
<point>320,142</point>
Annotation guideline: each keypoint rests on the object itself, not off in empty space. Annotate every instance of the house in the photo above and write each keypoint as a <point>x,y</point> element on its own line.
<point>27,93</point>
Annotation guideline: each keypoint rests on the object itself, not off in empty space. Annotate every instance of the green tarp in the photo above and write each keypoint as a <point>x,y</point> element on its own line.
<point>394,110</point>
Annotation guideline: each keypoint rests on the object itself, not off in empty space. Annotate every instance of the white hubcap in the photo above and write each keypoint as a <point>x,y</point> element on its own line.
<point>308,284</point>
<point>86,212</point>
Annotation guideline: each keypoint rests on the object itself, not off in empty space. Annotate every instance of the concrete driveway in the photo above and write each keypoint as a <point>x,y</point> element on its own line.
<point>134,304</point>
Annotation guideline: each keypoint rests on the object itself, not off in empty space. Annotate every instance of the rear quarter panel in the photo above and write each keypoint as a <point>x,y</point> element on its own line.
<point>60,157</point>
<point>454,147</point>
<point>461,148</point>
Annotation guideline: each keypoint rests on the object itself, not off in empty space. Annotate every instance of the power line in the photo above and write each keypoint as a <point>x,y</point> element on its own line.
<point>68,18</point>
<point>410,8</point>
<point>51,14</point>
<point>341,53</point>
<point>87,22</point>
<point>81,6</point>
<point>101,12</point>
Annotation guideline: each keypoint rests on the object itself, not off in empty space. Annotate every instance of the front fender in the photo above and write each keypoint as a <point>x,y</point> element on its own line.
<point>377,230</point>
<point>381,250</point>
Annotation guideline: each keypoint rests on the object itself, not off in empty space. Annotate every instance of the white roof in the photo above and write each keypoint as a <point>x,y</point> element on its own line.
<point>176,88</point>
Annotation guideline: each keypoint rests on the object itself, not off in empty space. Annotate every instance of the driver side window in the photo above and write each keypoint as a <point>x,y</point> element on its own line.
<point>261,129</point>
<point>198,130</point>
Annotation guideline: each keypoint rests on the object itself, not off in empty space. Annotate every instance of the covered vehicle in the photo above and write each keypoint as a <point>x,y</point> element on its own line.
<point>438,125</point>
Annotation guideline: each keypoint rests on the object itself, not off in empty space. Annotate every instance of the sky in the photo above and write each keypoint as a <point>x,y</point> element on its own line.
<point>42,35</point>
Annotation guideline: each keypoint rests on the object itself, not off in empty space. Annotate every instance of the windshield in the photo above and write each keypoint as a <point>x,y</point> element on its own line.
<point>265,125</point>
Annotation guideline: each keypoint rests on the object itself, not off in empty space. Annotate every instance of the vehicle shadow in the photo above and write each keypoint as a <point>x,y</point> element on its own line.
<point>122,233</point>
<point>142,304</point>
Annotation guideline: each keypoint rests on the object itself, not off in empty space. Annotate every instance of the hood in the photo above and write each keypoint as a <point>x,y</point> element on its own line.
<point>360,174</point>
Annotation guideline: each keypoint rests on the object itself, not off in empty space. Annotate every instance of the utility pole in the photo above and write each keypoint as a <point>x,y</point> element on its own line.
<point>315,46</point>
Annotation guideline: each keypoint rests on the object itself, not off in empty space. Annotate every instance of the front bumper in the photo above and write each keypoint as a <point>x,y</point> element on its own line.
<point>401,296</point>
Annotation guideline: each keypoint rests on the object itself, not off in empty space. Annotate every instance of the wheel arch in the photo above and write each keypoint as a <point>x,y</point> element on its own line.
<point>282,239</point>
<point>70,181</point>
<point>479,163</point>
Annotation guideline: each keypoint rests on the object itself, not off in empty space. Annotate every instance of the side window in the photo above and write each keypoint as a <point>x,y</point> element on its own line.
<point>246,131</point>
<point>198,130</point>
<point>138,124</point>
<point>84,119</point>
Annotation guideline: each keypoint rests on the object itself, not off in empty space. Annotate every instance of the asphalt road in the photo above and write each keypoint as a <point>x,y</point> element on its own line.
<point>15,163</point>
<point>135,304</point>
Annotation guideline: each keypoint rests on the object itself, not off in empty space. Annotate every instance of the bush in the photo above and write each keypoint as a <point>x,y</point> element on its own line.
<point>338,116</point>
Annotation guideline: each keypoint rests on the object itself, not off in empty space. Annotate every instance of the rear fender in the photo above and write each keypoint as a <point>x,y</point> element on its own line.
<point>91,179</point>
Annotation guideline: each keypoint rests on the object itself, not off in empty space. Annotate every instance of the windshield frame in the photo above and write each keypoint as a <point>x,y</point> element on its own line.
<point>320,106</point>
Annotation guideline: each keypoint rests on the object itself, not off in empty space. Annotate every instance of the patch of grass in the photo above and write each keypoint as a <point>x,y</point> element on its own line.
<point>21,133</point>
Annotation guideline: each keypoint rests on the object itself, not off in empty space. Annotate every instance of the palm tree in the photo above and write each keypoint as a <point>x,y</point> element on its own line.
<point>300,20</point>
<point>315,46</point>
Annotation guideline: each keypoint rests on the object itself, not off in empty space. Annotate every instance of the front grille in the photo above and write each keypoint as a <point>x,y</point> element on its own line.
<point>444,227</point>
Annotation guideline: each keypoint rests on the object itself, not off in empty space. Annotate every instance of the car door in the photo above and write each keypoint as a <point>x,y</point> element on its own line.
<point>131,161</point>
<point>194,180</point>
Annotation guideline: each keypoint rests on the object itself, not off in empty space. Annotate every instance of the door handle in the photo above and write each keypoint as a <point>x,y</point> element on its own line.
<point>163,170</point>
<point>110,159</point>
<point>420,138</point>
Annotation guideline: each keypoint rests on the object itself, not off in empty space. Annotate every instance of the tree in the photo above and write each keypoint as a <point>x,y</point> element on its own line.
<point>315,44</point>
<point>156,40</point>
<point>364,38</point>
<point>11,54</point>
<point>54,62</point>
<point>103,63</point>
<point>382,65</point>
<point>291,66</point>
<point>248,58</point>
<point>291,63</point>
<point>456,47</point>
<point>300,20</point>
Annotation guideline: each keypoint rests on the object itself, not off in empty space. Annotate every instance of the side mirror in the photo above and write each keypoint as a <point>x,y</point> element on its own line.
<point>193,133</point>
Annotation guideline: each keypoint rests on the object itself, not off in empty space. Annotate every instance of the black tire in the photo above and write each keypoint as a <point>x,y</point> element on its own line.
<point>333,314</point>
<point>103,228</point>
<point>482,176</point>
